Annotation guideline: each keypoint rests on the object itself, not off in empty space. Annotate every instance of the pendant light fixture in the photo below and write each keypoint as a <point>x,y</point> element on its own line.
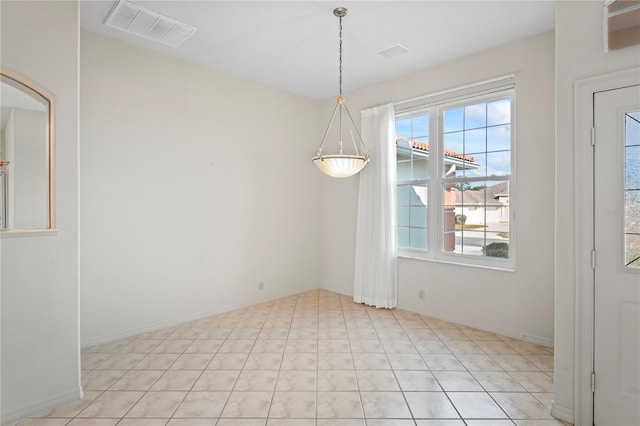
<point>342,165</point>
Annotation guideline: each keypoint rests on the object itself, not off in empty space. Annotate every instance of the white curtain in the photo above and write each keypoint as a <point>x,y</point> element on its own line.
<point>376,246</point>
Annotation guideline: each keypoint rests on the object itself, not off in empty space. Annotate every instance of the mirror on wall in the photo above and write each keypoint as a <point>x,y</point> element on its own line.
<point>26,147</point>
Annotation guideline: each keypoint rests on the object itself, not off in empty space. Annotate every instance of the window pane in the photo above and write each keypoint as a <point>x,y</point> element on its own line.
<point>483,147</point>
<point>412,156</point>
<point>418,195</point>
<point>403,128</point>
<point>499,163</point>
<point>403,170</point>
<point>499,138</point>
<point>412,148</point>
<point>475,116</point>
<point>413,127</point>
<point>479,166</point>
<point>401,155</point>
<point>403,216</point>
<point>418,217</point>
<point>632,190</point>
<point>632,167</point>
<point>480,218</point>
<point>403,237</point>
<point>422,139</point>
<point>632,126</point>
<point>470,242</point>
<point>403,195</point>
<point>454,141</point>
<point>418,238</point>
<point>420,126</point>
<point>454,159</point>
<point>499,112</point>
<point>475,141</point>
<point>632,212</point>
<point>632,243</point>
<point>453,120</point>
<point>420,169</point>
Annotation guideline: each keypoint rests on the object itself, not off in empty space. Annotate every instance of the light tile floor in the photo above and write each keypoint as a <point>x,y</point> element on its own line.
<point>313,359</point>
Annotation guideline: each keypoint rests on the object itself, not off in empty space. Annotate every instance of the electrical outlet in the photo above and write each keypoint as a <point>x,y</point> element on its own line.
<point>421,294</point>
<point>261,285</point>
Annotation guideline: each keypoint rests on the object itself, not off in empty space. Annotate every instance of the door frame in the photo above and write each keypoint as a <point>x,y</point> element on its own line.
<point>584,93</point>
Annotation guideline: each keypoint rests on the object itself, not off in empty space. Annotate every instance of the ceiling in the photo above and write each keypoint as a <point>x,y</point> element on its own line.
<point>293,45</point>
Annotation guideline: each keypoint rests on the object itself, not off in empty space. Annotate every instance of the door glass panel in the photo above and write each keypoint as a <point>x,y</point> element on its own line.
<point>632,189</point>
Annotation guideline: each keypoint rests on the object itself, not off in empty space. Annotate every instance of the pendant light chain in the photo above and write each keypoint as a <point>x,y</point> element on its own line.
<point>340,100</point>
<point>340,60</point>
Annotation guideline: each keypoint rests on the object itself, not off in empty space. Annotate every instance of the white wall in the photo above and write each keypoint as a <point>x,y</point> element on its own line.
<point>195,187</point>
<point>517,303</point>
<point>39,275</point>
<point>579,55</point>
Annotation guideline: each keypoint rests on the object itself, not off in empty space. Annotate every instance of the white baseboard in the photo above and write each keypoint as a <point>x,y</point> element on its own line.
<point>561,412</point>
<point>180,320</point>
<point>514,334</point>
<point>36,407</point>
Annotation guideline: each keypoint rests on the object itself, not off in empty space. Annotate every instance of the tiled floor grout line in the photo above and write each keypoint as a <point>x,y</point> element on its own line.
<point>105,391</point>
<point>317,362</point>
<point>207,367</point>
<point>166,371</point>
<point>355,370</point>
<point>479,383</point>
<point>418,352</point>
<point>154,382</point>
<point>275,386</point>
<point>386,354</point>
<point>338,325</point>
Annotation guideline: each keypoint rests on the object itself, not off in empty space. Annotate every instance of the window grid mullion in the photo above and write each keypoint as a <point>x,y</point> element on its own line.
<point>493,178</point>
<point>437,215</point>
<point>434,238</point>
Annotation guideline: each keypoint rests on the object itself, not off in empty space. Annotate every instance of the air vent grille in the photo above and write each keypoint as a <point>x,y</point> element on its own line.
<point>393,51</point>
<point>134,19</point>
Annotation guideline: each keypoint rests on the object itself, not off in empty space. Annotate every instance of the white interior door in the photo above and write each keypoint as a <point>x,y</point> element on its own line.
<point>617,261</point>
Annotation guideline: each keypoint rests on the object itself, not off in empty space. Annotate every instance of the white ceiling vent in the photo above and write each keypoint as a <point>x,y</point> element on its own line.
<point>134,19</point>
<point>393,51</point>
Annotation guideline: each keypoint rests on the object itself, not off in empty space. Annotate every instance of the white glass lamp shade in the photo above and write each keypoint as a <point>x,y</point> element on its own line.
<point>340,166</point>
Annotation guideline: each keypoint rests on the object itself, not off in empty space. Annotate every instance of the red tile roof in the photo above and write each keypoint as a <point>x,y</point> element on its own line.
<point>424,147</point>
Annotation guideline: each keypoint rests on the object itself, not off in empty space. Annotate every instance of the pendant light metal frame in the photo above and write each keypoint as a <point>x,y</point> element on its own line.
<point>342,165</point>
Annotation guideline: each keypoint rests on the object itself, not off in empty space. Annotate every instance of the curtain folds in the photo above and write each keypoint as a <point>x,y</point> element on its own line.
<point>375,281</point>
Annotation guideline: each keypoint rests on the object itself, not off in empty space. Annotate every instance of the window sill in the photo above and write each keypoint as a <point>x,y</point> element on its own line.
<point>423,256</point>
<point>24,233</point>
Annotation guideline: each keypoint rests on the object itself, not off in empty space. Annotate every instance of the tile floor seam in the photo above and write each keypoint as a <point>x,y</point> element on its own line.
<point>332,329</point>
<point>279,367</point>
<point>355,370</point>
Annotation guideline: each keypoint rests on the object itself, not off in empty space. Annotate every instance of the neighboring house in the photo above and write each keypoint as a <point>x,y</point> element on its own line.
<point>413,168</point>
<point>479,209</point>
<point>486,205</point>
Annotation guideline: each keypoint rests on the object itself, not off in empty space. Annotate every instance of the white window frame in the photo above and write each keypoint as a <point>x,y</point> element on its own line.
<point>434,105</point>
